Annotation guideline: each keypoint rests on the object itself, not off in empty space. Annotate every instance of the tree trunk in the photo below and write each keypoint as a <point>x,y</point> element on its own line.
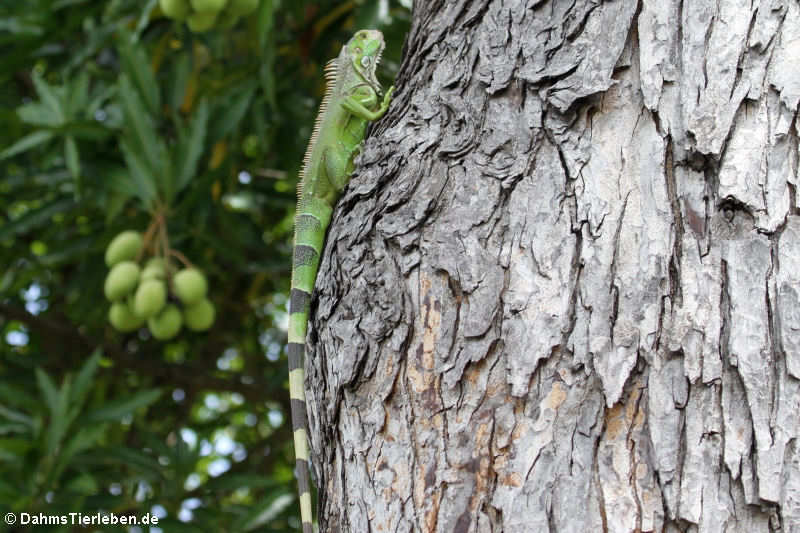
<point>561,292</point>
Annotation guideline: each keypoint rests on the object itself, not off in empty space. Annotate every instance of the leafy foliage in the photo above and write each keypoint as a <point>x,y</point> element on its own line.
<point>114,115</point>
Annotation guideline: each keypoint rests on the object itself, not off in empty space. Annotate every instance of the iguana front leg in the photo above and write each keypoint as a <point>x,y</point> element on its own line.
<point>335,166</point>
<point>357,108</point>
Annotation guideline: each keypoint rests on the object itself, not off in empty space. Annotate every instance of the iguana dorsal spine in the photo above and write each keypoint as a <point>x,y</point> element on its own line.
<point>352,99</point>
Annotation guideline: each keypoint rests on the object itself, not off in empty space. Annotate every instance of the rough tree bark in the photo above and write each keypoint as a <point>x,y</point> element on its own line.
<point>561,292</point>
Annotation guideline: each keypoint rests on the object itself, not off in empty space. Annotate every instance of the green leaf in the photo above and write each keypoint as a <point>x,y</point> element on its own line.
<point>38,114</point>
<point>13,427</point>
<point>8,491</point>
<point>75,249</point>
<point>232,114</point>
<point>49,98</point>
<point>83,381</point>
<point>267,511</point>
<point>12,394</point>
<point>156,444</point>
<point>100,97</point>
<point>266,19</point>
<point>57,401</point>
<point>144,17</point>
<point>131,457</point>
<point>14,448</point>
<point>117,409</point>
<point>15,26</point>
<point>82,484</point>
<point>119,179</point>
<point>35,218</point>
<point>71,156</point>
<point>8,457</point>
<point>88,130</point>
<point>84,439</point>
<point>115,203</point>
<point>26,143</point>
<point>190,147</point>
<point>61,4</point>
<point>135,64</point>
<point>15,416</point>
<point>140,173</point>
<point>179,78</point>
<point>78,100</point>
<point>144,140</point>
<point>48,389</point>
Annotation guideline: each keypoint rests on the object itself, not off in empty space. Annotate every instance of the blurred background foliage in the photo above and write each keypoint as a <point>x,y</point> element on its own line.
<point>111,113</point>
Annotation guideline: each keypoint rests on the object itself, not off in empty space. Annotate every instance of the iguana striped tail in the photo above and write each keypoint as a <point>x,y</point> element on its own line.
<point>311,223</point>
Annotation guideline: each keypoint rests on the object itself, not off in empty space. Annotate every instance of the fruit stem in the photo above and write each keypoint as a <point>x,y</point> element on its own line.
<point>182,258</point>
<point>158,223</point>
<point>148,236</point>
<point>162,226</point>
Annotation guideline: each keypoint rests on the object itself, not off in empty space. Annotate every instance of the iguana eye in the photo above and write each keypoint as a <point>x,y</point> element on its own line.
<point>365,61</point>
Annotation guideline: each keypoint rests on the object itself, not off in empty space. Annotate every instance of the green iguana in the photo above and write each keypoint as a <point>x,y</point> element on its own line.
<point>352,99</point>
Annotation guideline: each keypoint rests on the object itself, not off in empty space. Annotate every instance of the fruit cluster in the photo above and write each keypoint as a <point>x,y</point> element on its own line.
<point>140,294</point>
<point>202,15</point>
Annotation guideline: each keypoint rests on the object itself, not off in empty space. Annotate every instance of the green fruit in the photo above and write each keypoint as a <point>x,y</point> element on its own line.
<point>123,319</point>
<point>156,261</point>
<point>166,324</point>
<point>242,7</point>
<point>150,298</point>
<point>199,316</point>
<point>121,280</point>
<point>175,9</point>
<point>208,6</point>
<point>123,247</point>
<point>155,269</point>
<point>189,285</point>
<point>200,22</point>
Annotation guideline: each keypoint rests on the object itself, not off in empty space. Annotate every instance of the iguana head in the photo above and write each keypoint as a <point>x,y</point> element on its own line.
<point>365,49</point>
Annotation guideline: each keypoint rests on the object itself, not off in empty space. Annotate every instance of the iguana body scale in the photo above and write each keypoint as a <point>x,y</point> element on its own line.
<point>352,99</point>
